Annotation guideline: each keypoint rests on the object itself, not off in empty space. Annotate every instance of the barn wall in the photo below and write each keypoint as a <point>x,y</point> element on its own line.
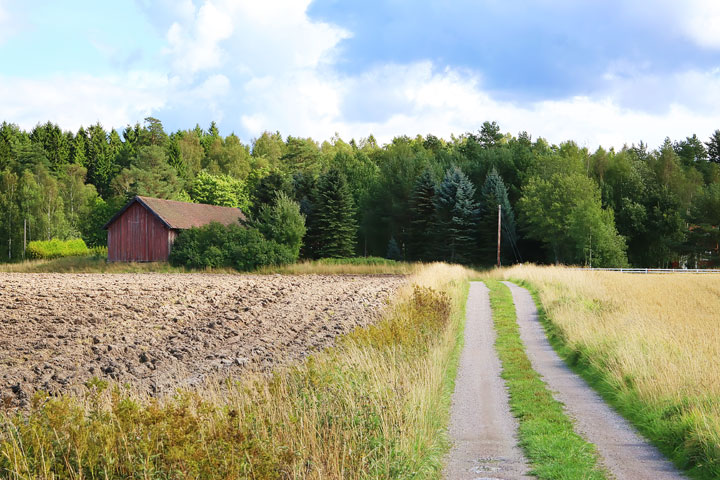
<point>138,236</point>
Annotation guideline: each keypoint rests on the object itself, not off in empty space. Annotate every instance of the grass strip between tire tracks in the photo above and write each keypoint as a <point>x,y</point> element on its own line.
<point>551,445</point>
<point>657,425</point>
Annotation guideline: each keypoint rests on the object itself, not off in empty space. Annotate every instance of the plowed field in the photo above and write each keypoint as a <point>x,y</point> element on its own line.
<point>161,331</point>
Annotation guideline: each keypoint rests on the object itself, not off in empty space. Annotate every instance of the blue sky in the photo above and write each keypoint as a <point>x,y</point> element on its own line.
<point>599,72</point>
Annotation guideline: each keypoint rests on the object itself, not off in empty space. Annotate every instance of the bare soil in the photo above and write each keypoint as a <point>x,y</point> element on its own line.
<point>159,332</point>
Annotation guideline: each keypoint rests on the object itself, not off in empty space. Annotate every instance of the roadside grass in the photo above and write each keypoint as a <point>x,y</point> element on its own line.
<point>648,344</point>
<point>546,434</point>
<point>355,266</point>
<point>374,406</point>
<point>98,264</point>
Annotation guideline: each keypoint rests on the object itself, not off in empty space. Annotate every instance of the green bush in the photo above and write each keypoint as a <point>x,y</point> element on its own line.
<point>99,251</point>
<point>357,261</point>
<point>216,245</point>
<point>282,222</point>
<point>56,248</point>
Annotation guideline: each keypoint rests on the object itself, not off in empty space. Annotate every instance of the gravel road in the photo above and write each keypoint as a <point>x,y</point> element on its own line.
<point>481,427</point>
<point>623,451</point>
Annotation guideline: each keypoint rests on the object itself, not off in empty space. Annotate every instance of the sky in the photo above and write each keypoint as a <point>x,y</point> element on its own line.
<point>599,72</point>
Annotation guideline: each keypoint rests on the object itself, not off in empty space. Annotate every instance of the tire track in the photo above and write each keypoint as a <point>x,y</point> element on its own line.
<point>622,450</point>
<point>483,431</point>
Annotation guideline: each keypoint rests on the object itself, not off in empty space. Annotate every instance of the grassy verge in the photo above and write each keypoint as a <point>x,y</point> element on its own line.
<point>675,428</point>
<point>374,406</point>
<point>554,450</point>
<point>98,264</point>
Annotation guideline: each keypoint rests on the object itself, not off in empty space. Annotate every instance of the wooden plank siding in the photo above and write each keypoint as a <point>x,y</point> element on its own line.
<point>138,236</point>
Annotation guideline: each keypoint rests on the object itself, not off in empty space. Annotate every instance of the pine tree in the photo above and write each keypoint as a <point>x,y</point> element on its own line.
<point>334,225</point>
<point>713,147</point>
<point>422,217</point>
<point>456,218</point>
<point>492,194</point>
<point>393,251</point>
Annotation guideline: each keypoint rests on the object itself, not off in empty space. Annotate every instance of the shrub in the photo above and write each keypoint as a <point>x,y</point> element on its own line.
<point>216,245</point>
<point>282,222</point>
<point>56,248</point>
<point>357,261</point>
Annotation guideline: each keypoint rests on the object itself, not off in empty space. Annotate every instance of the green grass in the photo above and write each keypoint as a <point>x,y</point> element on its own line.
<point>99,264</point>
<point>374,406</point>
<point>546,434</point>
<point>661,425</point>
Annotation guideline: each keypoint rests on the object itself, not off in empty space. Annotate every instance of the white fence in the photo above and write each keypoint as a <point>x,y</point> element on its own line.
<point>653,270</point>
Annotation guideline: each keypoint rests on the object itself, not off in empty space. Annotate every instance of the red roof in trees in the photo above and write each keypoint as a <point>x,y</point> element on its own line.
<point>183,215</point>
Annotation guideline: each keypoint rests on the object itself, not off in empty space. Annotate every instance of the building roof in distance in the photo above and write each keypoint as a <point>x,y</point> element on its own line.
<point>183,215</point>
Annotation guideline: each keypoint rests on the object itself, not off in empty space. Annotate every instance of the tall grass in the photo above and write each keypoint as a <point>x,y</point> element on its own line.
<point>650,344</point>
<point>374,406</point>
<point>546,433</point>
<point>98,264</point>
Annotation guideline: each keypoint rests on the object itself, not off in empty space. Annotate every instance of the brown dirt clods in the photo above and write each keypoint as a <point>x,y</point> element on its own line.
<point>163,331</point>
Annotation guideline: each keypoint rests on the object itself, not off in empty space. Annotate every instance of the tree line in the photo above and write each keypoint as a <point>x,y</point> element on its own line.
<point>415,198</point>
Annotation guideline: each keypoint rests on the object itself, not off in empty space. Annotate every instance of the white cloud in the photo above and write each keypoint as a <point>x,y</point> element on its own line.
<point>450,101</point>
<point>701,21</point>
<point>256,66</point>
<point>75,100</point>
<point>697,20</point>
<point>249,37</point>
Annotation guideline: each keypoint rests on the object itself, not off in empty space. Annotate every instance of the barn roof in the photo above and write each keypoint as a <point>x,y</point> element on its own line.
<point>183,215</point>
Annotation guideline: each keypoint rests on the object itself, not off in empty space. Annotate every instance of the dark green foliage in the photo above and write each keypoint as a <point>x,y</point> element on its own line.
<point>713,147</point>
<point>149,175</point>
<point>334,228</point>
<point>282,222</point>
<point>233,246</point>
<point>393,250</point>
<point>266,190</point>
<point>456,218</point>
<point>91,225</point>
<point>494,193</point>
<point>647,205</point>
<point>422,218</point>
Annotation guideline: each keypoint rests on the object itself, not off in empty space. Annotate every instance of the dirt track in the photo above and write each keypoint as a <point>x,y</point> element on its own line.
<point>483,431</point>
<point>622,450</point>
<point>160,331</point>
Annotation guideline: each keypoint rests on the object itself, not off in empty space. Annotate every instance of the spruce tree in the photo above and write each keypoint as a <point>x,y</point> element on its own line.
<point>713,147</point>
<point>393,250</point>
<point>492,194</point>
<point>456,218</point>
<point>422,217</point>
<point>334,225</point>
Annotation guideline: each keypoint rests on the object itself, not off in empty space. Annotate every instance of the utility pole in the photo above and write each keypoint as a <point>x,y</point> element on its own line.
<point>499,225</point>
<point>24,237</point>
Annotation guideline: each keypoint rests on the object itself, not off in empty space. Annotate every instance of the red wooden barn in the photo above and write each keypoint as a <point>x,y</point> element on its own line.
<point>145,229</point>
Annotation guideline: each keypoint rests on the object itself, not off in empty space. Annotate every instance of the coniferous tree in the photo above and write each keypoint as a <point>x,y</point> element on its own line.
<point>422,217</point>
<point>456,218</point>
<point>393,250</point>
<point>713,147</point>
<point>492,194</point>
<point>334,224</point>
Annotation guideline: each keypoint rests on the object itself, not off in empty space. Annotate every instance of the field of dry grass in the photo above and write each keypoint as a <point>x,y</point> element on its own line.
<point>653,341</point>
<point>373,406</point>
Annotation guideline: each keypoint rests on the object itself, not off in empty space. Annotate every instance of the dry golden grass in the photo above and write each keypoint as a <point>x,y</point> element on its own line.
<point>374,406</point>
<point>654,338</point>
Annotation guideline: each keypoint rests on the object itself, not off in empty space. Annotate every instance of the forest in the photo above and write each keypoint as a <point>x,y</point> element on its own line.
<point>415,198</point>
